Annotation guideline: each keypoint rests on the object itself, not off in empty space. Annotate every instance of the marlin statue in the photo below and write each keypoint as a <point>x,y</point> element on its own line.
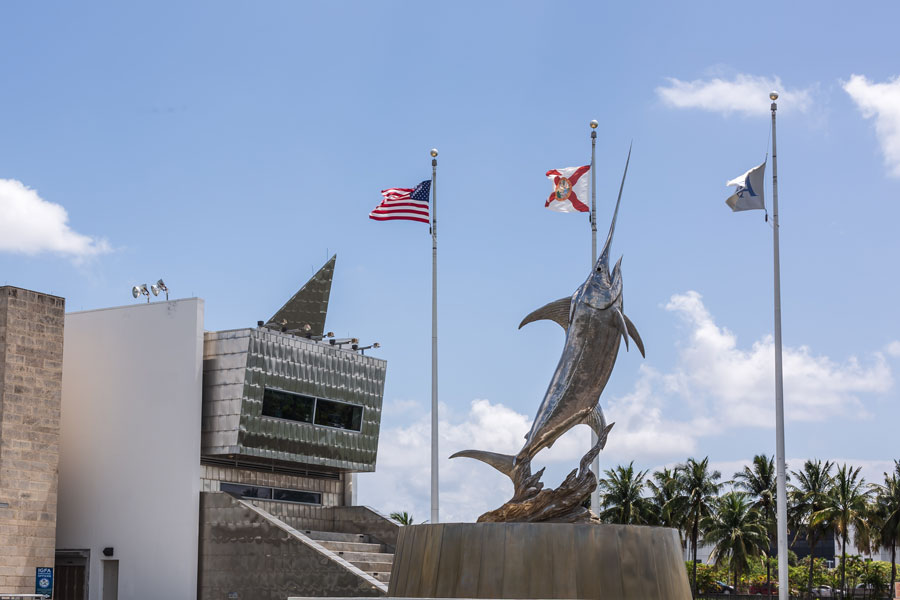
<point>595,325</point>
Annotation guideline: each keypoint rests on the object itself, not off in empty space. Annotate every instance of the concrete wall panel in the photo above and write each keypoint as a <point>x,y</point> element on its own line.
<point>129,474</point>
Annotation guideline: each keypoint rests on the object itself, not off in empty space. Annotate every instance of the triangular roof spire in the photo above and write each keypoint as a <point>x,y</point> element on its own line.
<point>308,306</point>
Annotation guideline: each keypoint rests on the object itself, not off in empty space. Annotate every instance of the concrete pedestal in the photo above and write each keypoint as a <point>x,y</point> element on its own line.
<point>539,560</point>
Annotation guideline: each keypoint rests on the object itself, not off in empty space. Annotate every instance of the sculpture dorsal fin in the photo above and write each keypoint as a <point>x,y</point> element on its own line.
<point>557,311</point>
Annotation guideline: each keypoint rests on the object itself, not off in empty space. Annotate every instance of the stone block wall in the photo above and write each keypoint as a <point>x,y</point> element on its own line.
<point>332,490</point>
<point>31,351</point>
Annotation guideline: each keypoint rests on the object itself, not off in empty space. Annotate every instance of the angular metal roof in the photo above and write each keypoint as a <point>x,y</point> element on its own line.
<point>309,305</point>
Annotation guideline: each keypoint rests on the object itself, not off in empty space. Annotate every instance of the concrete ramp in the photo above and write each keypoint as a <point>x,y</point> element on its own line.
<point>247,553</point>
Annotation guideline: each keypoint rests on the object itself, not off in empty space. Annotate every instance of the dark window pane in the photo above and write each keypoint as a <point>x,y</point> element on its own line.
<point>246,491</point>
<point>338,414</point>
<point>285,405</point>
<point>297,496</point>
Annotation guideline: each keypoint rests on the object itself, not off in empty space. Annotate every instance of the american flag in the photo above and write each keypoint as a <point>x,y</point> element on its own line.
<point>408,204</point>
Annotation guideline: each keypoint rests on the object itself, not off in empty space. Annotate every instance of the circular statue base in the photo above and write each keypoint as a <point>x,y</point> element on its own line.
<point>539,560</point>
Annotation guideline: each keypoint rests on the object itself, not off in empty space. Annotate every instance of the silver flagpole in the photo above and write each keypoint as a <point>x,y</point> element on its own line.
<point>595,495</point>
<point>781,491</point>
<point>434,348</point>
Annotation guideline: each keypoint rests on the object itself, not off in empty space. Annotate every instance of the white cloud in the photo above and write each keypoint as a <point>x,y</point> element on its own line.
<point>746,94</point>
<point>31,225</point>
<point>737,383</point>
<point>715,385</point>
<point>468,487</point>
<point>893,348</point>
<point>882,101</point>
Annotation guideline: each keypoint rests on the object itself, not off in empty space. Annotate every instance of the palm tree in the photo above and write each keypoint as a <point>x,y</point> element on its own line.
<point>887,509</point>
<point>403,518</point>
<point>846,506</point>
<point>805,499</point>
<point>737,531</point>
<point>759,482</point>
<point>663,489</point>
<point>621,497</point>
<point>697,490</point>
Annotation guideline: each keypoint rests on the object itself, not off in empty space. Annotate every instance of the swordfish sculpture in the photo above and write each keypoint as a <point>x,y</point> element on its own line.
<point>595,325</point>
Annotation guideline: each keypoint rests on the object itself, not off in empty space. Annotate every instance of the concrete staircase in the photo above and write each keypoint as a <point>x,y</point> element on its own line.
<point>357,549</point>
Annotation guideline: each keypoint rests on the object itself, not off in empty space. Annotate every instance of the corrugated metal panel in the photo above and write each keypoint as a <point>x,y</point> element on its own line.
<point>294,364</point>
<point>309,306</point>
<point>224,370</point>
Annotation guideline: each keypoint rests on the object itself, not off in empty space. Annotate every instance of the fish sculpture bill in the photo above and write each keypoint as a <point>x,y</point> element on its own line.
<point>595,325</point>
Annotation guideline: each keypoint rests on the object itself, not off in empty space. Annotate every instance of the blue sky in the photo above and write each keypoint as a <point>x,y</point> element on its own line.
<point>231,147</point>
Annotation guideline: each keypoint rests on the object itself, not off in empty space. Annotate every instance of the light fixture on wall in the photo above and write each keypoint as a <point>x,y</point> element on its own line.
<point>160,286</point>
<point>362,349</point>
<point>140,290</point>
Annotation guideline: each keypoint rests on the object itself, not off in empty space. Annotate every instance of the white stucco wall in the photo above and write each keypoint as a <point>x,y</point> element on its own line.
<point>129,470</point>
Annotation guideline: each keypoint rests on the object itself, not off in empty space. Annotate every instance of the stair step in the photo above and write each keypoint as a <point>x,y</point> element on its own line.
<point>377,567</point>
<point>377,557</point>
<point>383,577</point>
<point>333,536</point>
<point>351,546</point>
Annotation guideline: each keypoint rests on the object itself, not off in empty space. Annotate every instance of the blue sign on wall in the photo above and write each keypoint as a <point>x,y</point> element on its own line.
<point>43,581</point>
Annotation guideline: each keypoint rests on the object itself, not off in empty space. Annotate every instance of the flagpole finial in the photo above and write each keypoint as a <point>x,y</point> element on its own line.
<point>594,124</point>
<point>434,152</point>
<point>773,95</point>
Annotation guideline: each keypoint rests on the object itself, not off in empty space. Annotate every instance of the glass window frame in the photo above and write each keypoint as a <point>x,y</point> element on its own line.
<point>362,414</point>
<point>272,490</point>
<point>281,391</point>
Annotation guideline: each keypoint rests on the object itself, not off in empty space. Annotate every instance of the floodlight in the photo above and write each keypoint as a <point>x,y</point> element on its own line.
<point>161,286</point>
<point>362,349</point>
<point>155,290</point>
<point>136,291</point>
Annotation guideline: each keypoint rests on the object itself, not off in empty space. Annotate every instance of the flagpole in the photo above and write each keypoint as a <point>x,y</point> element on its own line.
<point>434,349</point>
<point>595,495</point>
<point>781,489</point>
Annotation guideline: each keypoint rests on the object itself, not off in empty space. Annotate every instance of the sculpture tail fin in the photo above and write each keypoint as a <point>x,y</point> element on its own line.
<point>504,463</point>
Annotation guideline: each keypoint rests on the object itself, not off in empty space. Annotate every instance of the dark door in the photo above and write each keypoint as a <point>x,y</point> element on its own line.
<point>70,576</point>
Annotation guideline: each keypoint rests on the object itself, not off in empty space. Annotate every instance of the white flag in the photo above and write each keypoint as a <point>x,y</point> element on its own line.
<point>749,192</point>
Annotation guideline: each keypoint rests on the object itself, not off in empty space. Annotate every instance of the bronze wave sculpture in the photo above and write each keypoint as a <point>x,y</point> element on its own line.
<point>595,325</point>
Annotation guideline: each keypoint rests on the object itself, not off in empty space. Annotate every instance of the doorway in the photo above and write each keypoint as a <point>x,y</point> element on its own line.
<point>70,580</point>
<point>110,579</point>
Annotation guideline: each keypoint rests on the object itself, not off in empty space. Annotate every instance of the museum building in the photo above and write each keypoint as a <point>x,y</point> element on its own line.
<point>193,463</point>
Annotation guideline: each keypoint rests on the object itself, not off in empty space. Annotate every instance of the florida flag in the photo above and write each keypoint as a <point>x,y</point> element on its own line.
<point>570,189</point>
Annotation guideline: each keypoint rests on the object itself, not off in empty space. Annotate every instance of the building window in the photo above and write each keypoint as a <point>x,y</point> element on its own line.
<point>297,496</point>
<point>246,491</point>
<point>267,493</point>
<point>285,405</point>
<point>308,409</point>
<point>338,414</point>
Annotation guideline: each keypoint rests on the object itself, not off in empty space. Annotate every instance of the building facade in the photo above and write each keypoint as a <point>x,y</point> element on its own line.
<point>217,464</point>
<point>129,472</point>
<point>31,359</point>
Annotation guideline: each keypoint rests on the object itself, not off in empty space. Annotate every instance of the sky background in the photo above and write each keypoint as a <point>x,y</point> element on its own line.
<point>230,148</point>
